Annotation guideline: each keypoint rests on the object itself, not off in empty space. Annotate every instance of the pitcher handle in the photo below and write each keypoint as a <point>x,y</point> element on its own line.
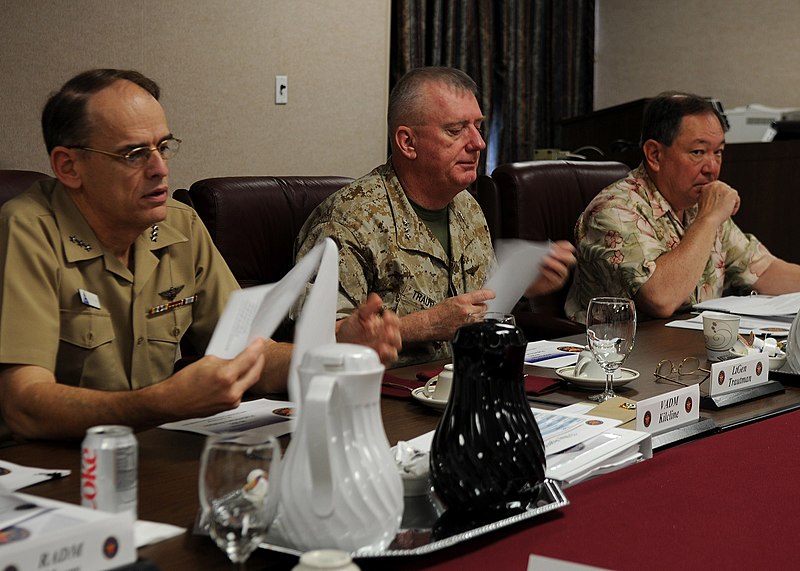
<point>317,406</point>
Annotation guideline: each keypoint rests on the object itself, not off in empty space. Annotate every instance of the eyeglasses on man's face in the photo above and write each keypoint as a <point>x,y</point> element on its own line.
<point>138,157</point>
<point>687,370</point>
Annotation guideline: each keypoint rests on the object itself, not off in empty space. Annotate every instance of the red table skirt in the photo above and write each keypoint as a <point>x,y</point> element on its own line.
<point>729,501</point>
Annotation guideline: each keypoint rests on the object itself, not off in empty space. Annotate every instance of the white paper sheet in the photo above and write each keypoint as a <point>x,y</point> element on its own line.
<point>541,563</point>
<point>577,446</point>
<point>552,354</point>
<point>257,311</point>
<point>785,306</point>
<point>562,431</point>
<point>746,325</point>
<point>269,416</point>
<point>150,532</point>
<point>518,264</point>
<point>14,477</point>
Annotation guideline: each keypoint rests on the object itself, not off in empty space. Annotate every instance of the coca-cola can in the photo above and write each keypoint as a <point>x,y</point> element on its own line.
<point>109,468</point>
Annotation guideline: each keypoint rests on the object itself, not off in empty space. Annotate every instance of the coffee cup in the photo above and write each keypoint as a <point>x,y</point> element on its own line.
<point>587,368</point>
<point>439,386</point>
<point>720,331</point>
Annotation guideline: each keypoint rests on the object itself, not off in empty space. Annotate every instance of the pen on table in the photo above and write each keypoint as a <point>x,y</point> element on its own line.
<point>547,357</point>
<point>51,475</point>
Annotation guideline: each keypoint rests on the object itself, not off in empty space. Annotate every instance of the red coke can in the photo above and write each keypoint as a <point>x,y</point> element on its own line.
<point>109,469</point>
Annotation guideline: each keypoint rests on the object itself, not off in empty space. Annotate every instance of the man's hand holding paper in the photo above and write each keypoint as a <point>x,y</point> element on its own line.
<point>528,269</point>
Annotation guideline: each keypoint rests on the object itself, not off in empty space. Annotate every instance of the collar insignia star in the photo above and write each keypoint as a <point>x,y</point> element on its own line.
<point>75,240</point>
<point>406,229</point>
<point>171,293</point>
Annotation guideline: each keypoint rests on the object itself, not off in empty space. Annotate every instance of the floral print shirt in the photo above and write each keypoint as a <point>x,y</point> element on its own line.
<point>625,229</point>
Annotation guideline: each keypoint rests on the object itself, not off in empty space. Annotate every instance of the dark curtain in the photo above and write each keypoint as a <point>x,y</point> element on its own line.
<point>532,60</point>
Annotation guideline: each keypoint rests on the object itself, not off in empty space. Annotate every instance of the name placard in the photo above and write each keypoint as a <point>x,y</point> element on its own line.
<point>670,410</point>
<point>735,374</point>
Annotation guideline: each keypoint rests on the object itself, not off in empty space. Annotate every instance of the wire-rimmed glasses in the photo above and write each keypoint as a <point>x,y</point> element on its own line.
<point>138,157</point>
<point>689,367</point>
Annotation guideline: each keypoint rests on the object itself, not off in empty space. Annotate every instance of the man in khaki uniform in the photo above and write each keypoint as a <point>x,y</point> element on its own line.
<point>102,275</point>
<point>408,230</point>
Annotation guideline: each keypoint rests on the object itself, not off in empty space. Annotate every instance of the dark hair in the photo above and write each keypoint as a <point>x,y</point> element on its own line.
<point>64,120</point>
<point>663,114</point>
<point>405,106</point>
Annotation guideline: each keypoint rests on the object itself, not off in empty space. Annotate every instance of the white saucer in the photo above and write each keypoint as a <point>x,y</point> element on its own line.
<point>622,377</point>
<point>438,404</point>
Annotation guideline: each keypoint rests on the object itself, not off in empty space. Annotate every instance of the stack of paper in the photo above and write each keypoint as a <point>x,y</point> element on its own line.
<point>783,307</point>
<point>579,446</point>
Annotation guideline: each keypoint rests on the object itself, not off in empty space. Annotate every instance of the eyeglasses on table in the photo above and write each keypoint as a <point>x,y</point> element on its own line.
<point>687,370</point>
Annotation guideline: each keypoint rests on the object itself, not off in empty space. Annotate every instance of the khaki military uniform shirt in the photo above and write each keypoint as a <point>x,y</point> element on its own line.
<point>385,248</point>
<point>629,225</point>
<point>50,258</point>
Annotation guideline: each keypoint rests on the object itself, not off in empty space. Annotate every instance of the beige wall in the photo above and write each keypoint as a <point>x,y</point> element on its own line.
<point>739,51</point>
<point>216,62</point>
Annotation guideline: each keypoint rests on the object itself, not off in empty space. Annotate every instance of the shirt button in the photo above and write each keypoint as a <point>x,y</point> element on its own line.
<point>140,340</point>
<point>90,336</point>
<point>176,332</point>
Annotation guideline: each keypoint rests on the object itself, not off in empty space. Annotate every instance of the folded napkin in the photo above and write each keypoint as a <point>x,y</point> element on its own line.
<point>537,386</point>
<point>426,376</point>
<point>392,385</point>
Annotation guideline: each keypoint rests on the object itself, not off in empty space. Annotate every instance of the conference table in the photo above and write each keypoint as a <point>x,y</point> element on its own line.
<point>719,499</point>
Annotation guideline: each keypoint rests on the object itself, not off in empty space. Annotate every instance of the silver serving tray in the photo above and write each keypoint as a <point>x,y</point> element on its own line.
<point>419,535</point>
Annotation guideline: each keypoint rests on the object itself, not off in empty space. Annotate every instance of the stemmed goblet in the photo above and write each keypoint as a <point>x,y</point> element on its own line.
<point>238,476</point>
<point>610,332</point>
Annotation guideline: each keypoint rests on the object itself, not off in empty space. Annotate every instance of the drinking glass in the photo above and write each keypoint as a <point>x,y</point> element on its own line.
<point>610,331</point>
<point>238,478</point>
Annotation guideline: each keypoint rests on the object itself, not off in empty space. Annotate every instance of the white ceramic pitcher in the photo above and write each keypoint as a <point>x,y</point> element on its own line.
<point>339,486</point>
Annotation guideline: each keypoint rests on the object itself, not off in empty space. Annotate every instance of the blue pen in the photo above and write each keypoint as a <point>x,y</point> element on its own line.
<point>546,357</point>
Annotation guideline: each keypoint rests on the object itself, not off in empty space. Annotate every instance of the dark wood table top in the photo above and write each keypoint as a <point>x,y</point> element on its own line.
<point>169,460</point>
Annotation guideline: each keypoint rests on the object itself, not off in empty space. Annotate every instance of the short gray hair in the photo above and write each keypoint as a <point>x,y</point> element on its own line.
<point>405,104</point>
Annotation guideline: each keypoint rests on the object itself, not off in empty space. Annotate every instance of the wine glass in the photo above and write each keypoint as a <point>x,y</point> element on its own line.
<point>238,480</point>
<point>610,331</point>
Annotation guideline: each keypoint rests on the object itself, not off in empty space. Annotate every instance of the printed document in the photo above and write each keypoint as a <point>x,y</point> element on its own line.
<point>783,306</point>
<point>518,264</point>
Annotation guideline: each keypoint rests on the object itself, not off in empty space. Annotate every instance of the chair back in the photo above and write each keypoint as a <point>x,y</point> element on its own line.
<point>539,201</point>
<point>542,200</point>
<point>254,220</point>
<point>14,182</point>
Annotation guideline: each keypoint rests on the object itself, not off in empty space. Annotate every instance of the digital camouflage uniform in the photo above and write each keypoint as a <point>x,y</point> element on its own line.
<point>629,225</point>
<point>385,248</point>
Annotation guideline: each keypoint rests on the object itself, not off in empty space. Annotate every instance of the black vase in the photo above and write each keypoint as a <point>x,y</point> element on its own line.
<point>487,452</point>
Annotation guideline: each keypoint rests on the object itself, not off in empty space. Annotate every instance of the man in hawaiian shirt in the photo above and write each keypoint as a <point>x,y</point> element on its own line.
<point>663,236</point>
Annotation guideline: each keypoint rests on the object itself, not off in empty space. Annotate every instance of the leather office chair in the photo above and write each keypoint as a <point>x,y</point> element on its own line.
<point>14,182</point>
<point>254,220</point>
<point>539,201</point>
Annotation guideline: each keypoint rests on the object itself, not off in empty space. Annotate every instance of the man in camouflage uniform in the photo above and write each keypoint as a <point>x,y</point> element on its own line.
<point>663,236</point>
<point>408,230</point>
